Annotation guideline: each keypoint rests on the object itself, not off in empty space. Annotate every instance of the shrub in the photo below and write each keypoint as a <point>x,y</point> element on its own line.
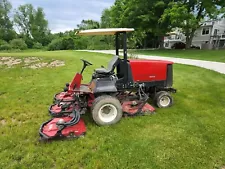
<point>80,44</point>
<point>2,42</point>
<point>29,42</point>
<point>5,47</point>
<point>56,44</point>
<point>66,43</point>
<point>18,44</point>
<point>37,45</point>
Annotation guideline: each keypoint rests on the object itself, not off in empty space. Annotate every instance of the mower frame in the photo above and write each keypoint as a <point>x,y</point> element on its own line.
<point>110,94</point>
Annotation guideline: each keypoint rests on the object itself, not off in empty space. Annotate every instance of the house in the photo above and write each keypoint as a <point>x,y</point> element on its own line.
<point>210,35</point>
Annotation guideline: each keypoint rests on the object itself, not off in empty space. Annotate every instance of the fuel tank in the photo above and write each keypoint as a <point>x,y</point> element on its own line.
<point>150,70</point>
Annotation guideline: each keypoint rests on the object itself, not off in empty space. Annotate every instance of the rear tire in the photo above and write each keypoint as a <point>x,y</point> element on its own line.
<point>163,99</point>
<point>106,110</point>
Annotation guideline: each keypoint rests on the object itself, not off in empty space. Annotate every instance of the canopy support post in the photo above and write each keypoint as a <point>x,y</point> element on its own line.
<point>125,45</point>
<point>117,44</point>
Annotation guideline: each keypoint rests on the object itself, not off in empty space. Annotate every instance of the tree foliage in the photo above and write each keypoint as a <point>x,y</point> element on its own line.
<point>106,19</point>
<point>7,32</point>
<point>88,24</point>
<point>139,14</point>
<point>31,23</point>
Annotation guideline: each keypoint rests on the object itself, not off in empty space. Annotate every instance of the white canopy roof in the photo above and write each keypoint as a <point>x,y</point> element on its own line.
<point>108,31</point>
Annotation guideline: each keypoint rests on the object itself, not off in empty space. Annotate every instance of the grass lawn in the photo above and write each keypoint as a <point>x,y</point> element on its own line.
<point>189,135</point>
<point>210,55</point>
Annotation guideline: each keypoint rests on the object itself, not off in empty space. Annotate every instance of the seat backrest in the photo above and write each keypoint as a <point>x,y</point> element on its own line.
<point>112,63</point>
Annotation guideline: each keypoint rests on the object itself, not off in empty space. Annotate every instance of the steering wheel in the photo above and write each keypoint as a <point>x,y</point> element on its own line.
<point>86,62</point>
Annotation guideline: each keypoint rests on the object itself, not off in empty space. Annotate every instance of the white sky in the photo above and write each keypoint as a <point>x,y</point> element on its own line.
<point>64,15</point>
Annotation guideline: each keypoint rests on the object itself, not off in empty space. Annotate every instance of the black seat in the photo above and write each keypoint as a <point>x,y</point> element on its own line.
<point>111,66</point>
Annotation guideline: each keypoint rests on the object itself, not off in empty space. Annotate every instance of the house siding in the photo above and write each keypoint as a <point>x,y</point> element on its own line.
<point>203,38</point>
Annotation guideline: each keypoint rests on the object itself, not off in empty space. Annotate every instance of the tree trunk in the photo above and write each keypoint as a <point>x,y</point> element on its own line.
<point>161,42</point>
<point>189,39</point>
<point>145,43</point>
<point>188,42</point>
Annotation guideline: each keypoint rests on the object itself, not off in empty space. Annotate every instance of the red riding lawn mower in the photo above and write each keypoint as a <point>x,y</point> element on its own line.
<point>111,94</point>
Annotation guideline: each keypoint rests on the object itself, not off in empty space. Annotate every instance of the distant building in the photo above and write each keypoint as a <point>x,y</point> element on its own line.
<point>210,35</point>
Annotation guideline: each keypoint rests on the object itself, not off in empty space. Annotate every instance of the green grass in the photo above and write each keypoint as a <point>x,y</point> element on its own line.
<point>188,135</point>
<point>210,55</point>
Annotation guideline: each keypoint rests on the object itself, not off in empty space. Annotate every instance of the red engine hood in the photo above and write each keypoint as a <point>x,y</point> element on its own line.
<point>144,70</point>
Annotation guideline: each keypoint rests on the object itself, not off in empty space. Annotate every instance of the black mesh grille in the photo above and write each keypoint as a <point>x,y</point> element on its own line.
<point>169,76</point>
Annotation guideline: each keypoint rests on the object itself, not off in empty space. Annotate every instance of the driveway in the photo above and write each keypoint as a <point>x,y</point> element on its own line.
<point>216,66</point>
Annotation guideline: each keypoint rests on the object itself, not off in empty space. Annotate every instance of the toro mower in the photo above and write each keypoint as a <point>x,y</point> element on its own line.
<point>123,88</point>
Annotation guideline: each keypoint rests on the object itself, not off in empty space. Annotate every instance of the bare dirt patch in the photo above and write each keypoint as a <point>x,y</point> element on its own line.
<point>30,62</point>
<point>3,122</point>
<point>5,58</point>
<point>56,63</point>
<point>12,62</point>
<point>38,65</point>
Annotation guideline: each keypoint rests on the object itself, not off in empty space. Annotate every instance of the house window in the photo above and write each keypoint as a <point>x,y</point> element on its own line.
<point>215,32</point>
<point>205,31</point>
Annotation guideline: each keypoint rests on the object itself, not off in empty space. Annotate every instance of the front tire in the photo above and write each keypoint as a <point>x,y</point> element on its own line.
<point>106,110</point>
<point>163,99</point>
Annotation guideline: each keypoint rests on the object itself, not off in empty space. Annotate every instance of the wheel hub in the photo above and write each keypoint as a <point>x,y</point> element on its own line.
<point>108,113</point>
<point>165,101</point>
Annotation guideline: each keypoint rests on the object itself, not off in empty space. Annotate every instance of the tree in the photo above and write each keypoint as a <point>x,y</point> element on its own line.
<point>7,32</point>
<point>32,24</point>
<point>143,16</point>
<point>39,27</point>
<point>88,24</point>
<point>106,19</point>
<point>23,19</point>
<point>189,14</point>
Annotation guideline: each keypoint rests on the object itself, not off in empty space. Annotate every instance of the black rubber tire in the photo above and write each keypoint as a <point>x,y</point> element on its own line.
<point>159,96</point>
<point>99,102</point>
